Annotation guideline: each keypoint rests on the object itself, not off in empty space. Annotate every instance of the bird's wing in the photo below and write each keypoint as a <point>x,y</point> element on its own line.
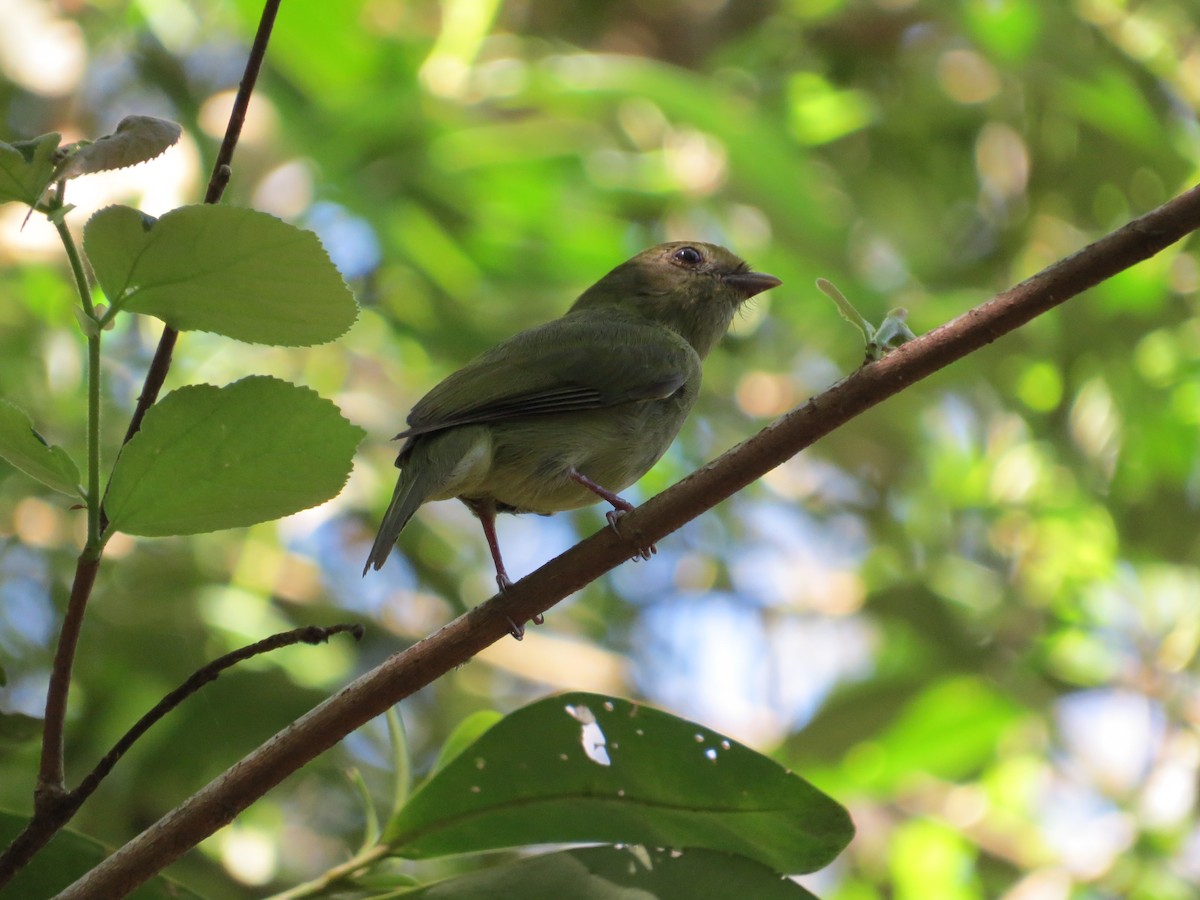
<point>586,360</point>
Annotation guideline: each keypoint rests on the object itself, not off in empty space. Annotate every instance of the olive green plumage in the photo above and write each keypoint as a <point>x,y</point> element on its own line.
<point>595,396</point>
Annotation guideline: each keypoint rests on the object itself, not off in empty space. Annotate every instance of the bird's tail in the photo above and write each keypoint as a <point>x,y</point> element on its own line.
<point>427,471</point>
<point>405,501</point>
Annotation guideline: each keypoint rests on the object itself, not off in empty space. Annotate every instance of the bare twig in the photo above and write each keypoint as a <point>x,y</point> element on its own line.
<point>399,676</point>
<point>308,634</point>
<point>159,366</point>
<point>62,805</point>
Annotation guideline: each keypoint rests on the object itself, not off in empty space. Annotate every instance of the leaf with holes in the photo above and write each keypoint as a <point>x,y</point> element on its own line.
<point>583,768</point>
<point>619,873</point>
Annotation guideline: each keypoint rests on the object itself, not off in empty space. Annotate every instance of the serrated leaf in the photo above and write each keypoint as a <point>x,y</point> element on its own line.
<point>210,457</point>
<point>231,271</point>
<point>586,768</point>
<point>619,873</point>
<point>68,856</point>
<point>28,451</point>
<point>27,168</point>
<point>137,139</point>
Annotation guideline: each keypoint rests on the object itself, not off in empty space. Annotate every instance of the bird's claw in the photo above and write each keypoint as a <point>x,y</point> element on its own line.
<point>517,631</point>
<point>614,517</point>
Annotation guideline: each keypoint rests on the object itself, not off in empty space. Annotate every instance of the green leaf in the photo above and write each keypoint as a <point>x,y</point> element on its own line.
<point>27,168</point>
<point>137,139</point>
<point>370,816</point>
<point>582,767</point>
<point>18,728</point>
<point>401,760</point>
<point>377,880</point>
<point>465,733</point>
<point>68,856</point>
<point>28,451</point>
<point>620,873</point>
<point>236,272</point>
<point>846,308</point>
<point>820,113</point>
<point>210,457</point>
<point>893,331</point>
<point>1114,102</point>
<point>970,719</point>
<point>1010,29</point>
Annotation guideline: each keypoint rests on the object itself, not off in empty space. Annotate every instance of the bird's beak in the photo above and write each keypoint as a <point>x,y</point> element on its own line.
<point>750,283</point>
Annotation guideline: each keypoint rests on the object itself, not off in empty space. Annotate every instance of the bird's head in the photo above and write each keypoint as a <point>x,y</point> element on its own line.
<point>691,287</point>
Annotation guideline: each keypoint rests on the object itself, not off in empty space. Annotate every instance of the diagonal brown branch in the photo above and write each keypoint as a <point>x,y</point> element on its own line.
<point>399,676</point>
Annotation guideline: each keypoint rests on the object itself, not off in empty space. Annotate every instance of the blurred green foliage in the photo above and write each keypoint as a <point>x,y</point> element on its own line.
<point>972,615</point>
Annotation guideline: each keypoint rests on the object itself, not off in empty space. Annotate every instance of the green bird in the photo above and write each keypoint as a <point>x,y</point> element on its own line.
<point>575,410</point>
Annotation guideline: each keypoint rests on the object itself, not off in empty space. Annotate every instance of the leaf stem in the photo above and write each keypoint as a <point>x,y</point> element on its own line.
<point>336,876</point>
<point>95,539</point>
<point>93,331</point>
<point>73,256</point>
<point>51,786</point>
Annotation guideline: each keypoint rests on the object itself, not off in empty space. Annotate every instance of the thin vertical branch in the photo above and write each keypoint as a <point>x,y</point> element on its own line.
<point>51,775</point>
<point>52,806</point>
<point>159,366</point>
<point>50,786</point>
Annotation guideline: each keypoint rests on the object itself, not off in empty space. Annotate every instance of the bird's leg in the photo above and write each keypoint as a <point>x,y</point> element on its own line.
<point>620,504</point>
<point>486,511</point>
<point>487,518</point>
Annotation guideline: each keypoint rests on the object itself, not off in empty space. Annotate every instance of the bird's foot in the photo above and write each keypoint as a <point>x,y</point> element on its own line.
<point>614,517</point>
<point>621,506</point>
<point>517,631</point>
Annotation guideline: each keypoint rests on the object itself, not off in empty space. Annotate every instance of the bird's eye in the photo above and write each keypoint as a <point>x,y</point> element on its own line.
<point>689,256</point>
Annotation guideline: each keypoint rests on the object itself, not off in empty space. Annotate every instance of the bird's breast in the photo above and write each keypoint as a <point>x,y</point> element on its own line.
<point>531,460</point>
